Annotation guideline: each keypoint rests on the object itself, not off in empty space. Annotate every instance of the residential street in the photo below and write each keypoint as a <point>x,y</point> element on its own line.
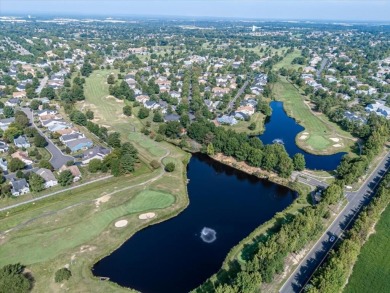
<point>239,93</point>
<point>316,255</point>
<point>42,85</point>
<point>58,159</point>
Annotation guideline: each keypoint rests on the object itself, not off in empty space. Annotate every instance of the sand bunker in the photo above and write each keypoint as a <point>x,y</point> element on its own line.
<point>302,137</point>
<point>335,139</point>
<point>337,145</point>
<point>103,199</point>
<point>121,223</point>
<point>146,216</point>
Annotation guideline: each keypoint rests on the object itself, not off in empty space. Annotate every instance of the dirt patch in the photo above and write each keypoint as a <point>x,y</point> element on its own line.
<point>334,139</point>
<point>119,101</point>
<point>146,216</point>
<point>85,248</point>
<point>337,145</point>
<point>121,223</point>
<point>303,137</point>
<point>103,199</point>
<point>110,97</point>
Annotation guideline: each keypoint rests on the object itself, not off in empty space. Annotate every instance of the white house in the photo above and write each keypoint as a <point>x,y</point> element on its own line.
<point>19,187</point>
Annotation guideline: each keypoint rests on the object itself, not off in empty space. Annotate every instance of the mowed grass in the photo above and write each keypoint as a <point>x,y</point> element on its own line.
<point>47,240</point>
<point>242,126</point>
<point>372,270</point>
<point>286,61</point>
<point>319,130</point>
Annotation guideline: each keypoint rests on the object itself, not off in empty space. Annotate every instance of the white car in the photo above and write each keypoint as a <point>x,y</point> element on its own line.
<point>332,239</point>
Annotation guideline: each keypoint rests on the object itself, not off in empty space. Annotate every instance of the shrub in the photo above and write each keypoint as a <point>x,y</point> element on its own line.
<point>170,167</point>
<point>62,274</point>
<point>155,164</point>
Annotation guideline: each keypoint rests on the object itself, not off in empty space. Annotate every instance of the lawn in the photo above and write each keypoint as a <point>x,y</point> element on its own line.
<point>372,269</point>
<point>319,131</point>
<point>242,126</point>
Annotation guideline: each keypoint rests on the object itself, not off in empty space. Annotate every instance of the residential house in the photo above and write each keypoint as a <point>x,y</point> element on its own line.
<point>19,95</point>
<point>48,176</point>
<point>23,156</point>
<point>380,109</point>
<point>171,117</point>
<point>3,164</point>
<point>70,137</point>
<point>13,102</point>
<point>19,187</point>
<point>21,142</point>
<point>4,123</point>
<point>94,153</point>
<point>142,99</point>
<point>248,110</point>
<point>74,170</point>
<point>79,144</point>
<point>3,147</point>
<point>229,120</point>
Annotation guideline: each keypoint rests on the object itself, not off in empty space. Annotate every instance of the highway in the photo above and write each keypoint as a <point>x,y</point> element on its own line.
<point>356,200</point>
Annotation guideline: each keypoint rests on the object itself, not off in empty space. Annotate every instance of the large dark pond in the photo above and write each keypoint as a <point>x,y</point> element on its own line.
<point>175,256</point>
<point>280,126</point>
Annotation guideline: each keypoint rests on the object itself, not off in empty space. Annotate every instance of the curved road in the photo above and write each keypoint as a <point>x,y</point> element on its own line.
<point>356,200</point>
<point>58,159</point>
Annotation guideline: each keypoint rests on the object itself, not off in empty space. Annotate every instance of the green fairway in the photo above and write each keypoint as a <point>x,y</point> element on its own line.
<point>41,242</point>
<point>286,62</point>
<point>372,269</point>
<point>320,135</point>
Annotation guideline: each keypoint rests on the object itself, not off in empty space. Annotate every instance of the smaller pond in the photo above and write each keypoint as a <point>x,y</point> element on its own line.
<point>282,128</point>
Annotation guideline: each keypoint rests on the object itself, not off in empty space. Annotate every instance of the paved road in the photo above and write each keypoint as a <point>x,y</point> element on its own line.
<point>322,67</point>
<point>42,85</point>
<point>239,93</point>
<point>58,159</point>
<point>319,251</point>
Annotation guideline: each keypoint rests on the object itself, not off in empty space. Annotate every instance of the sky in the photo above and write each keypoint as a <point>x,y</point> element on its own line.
<point>358,10</point>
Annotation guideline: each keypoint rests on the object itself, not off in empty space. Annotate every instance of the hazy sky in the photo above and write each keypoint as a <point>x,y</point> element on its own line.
<point>261,9</point>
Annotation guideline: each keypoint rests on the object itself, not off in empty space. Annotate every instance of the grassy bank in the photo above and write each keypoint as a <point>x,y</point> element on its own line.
<point>372,270</point>
<point>320,137</point>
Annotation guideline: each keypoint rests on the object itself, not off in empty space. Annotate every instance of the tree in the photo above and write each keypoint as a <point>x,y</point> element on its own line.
<point>210,149</point>
<point>143,113</point>
<point>111,79</point>
<point>8,112</point>
<point>89,114</point>
<point>45,164</point>
<point>127,163</point>
<point>299,162</point>
<point>170,167</point>
<point>48,92</point>
<point>252,126</point>
<point>114,140</point>
<point>12,132</point>
<point>128,149</point>
<point>158,117</point>
<point>78,117</point>
<point>34,105</point>
<point>86,69</point>
<point>127,110</point>
<point>62,274</point>
<point>65,178</point>
<point>15,164</point>
<point>21,119</point>
<point>12,279</point>
<point>95,165</point>
<point>40,141</point>
<point>36,183</point>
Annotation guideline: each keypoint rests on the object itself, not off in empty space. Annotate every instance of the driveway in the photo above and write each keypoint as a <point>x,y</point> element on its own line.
<point>58,159</point>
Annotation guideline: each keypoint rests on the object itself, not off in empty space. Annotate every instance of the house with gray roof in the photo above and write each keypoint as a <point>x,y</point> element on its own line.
<point>19,186</point>
<point>228,120</point>
<point>48,176</point>
<point>3,147</point>
<point>4,123</point>
<point>3,164</point>
<point>21,142</point>
<point>94,153</point>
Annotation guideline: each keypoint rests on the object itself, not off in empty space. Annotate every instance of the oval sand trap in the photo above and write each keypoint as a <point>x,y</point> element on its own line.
<point>121,224</point>
<point>146,216</point>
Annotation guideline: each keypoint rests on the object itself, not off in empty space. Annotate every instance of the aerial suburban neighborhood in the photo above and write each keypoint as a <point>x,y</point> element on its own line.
<point>205,154</point>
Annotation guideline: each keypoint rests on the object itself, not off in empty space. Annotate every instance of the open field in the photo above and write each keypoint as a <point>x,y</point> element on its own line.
<point>286,62</point>
<point>372,269</point>
<point>320,136</point>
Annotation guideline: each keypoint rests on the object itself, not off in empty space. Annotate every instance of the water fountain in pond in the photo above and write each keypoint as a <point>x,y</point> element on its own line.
<point>208,235</point>
<point>278,140</point>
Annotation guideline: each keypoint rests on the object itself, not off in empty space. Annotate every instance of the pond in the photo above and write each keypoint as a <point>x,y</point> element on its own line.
<point>178,255</point>
<point>280,127</point>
